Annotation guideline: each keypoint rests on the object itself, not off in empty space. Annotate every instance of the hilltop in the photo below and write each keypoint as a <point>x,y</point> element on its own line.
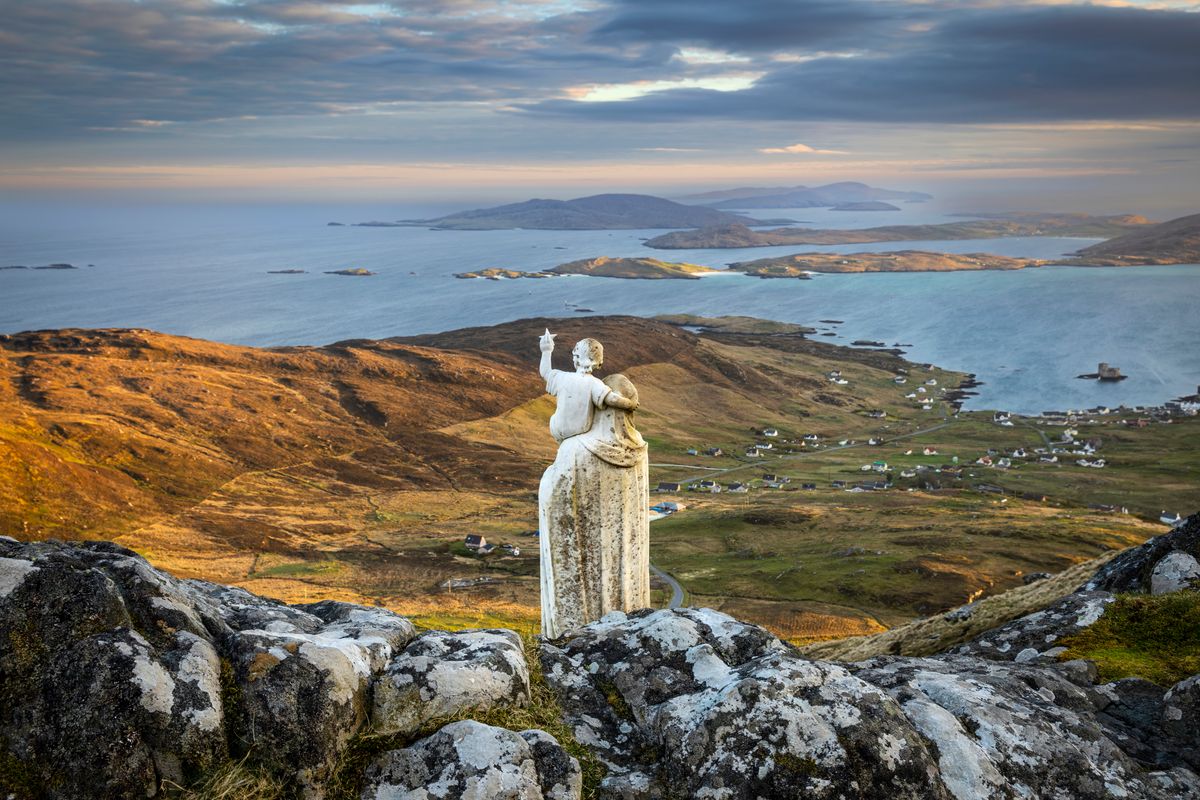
<point>1176,241</point>
<point>738,235</point>
<point>598,212</point>
<point>832,194</point>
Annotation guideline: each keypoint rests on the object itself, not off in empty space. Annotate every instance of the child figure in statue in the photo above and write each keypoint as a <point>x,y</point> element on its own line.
<point>577,393</point>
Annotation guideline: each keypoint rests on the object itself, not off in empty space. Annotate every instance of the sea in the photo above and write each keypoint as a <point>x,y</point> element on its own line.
<point>203,270</point>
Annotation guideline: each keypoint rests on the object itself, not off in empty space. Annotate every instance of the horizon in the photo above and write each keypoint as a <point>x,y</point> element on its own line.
<point>1071,106</point>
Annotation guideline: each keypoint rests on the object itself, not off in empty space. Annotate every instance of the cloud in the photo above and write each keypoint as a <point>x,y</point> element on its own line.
<point>800,148</point>
<point>980,65</point>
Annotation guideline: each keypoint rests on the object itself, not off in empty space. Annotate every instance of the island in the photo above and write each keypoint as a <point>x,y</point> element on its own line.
<point>1176,241</point>
<point>287,271</point>
<point>866,205</point>
<point>44,266</point>
<point>357,272</point>
<point>604,267</point>
<point>736,235</point>
<point>829,195</point>
<point>598,212</point>
<point>498,274</point>
<point>801,265</point>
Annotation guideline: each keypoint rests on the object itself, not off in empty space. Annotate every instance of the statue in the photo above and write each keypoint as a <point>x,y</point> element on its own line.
<point>593,501</point>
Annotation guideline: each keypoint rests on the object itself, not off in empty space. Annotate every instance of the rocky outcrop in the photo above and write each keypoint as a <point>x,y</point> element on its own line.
<point>468,760</point>
<point>115,677</point>
<point>1131,570</point>
<point>693,703</point>
<point>1176,571</point>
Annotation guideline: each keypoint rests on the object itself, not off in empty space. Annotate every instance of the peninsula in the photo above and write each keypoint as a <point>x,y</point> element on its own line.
<point>598,212</point>
<point>1176,241</point>
<point>739,235</point>
<point>801,264</point>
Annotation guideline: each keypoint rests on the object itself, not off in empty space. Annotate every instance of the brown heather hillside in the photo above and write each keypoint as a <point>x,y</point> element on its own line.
<point>353,471</point>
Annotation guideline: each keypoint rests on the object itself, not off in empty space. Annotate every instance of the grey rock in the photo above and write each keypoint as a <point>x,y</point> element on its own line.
<point>306,679</point>
<point>1038,632</point>
<point>1181,719</point>
<point>1175,572</point>
<point>1130,571</point>
<point>1004,730</point>
<point>109,677</point>
<point>468,760</point>
<point>111,674</point>
<point>443,673</point>
<point>692,703</point>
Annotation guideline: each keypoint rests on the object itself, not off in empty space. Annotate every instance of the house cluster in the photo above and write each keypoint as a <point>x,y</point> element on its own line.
<point>835,376</point>
<point>1131,416</point>
<point>476,543</point>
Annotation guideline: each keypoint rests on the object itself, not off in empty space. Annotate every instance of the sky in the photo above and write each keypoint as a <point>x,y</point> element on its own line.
<point>1022,103</point>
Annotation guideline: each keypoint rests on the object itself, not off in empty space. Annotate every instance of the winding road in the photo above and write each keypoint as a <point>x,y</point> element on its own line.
<point>676,589</point>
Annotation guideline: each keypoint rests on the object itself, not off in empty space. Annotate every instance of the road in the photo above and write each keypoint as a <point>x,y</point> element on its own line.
<point>676,589</point>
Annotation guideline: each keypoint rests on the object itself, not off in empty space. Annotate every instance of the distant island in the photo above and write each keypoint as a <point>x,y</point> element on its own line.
<point>357,272</point>
<point>828,196</point>
<point>598,212</point>
<point>604,267</point>
<point>44,266</point>
<point>1176,241</point>
<point>801,264</point>
<point>737,235</point>
<point>866,205</point>
<point>500,274</point>
<point>286,271</point>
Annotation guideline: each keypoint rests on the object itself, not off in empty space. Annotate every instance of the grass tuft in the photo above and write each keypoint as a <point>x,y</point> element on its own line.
<point>233,780</point>
<point>1152,637</point>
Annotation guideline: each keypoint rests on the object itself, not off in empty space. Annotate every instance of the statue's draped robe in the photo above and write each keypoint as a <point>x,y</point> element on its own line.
<point>594,523</point>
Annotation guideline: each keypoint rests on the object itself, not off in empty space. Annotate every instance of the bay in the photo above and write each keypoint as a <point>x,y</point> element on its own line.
<point>203,271</point>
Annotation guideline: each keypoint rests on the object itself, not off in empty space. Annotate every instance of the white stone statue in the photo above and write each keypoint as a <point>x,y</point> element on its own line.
<point>593,502</point>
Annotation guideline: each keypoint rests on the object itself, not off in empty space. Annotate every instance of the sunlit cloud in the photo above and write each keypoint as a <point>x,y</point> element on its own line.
<point>613,92</point>
<point>800,148</point>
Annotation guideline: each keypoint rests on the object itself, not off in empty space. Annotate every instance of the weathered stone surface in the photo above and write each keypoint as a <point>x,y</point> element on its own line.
<point>1130,571</point>
<point>109,679</point>
<point>692,703</point>
<point>1003,730</point>
<point>1034,637</point>
<point>443,673</point>
<point>471,761</point>
<point>306,677</point>
<point>111,674</point>
<point>1174,572</point>
<point>1181,719</point>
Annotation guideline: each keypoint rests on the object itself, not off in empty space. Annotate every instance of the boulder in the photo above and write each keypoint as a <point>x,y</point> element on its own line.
<point>115,677</point>
<point>692,703</point>
<point>1175,572</point>
<point>1181,719</point>
<point>305,675</point>
<point>1130,571</point>
<point>1033,637</point>
<point>1004,730</point>
<point>443,673</point>
<point>468,760</point>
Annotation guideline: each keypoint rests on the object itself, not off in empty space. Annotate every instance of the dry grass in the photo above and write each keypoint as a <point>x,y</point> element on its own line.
<point>935,634</point>
<point>234,780</point>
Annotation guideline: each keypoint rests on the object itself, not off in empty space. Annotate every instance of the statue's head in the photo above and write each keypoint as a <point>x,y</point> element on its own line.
<point>588,355</point>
